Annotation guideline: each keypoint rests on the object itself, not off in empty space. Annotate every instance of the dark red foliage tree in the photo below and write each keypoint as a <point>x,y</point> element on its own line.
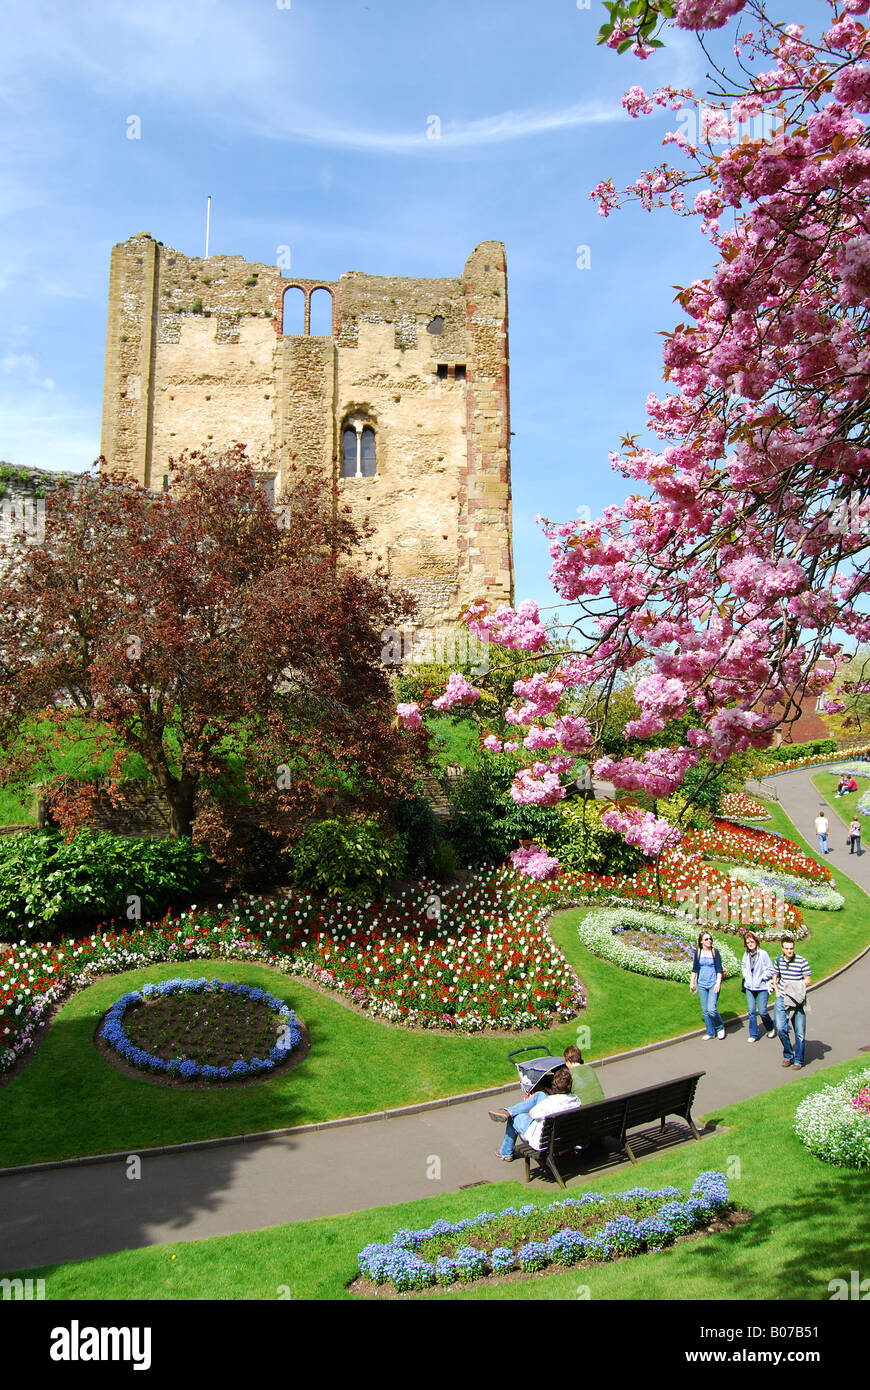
<point>233,645</point>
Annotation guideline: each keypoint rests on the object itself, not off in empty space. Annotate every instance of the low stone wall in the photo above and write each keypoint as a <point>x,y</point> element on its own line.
<point>143,811</point>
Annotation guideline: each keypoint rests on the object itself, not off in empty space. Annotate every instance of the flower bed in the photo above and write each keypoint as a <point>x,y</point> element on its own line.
<point>669,947</point>
<point>745,844</point>
<point>468,959</point>
<point>739,806</point>
<point>693,888</point>
<point>833,1127</point>
<point>474,958</point>
<point>594,1228</point>
<point>861,750</point>
<point>792,889</point>
<point>158,1029</point>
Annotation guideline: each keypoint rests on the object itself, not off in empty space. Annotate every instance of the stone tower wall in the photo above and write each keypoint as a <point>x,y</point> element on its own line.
<point>196,357</point>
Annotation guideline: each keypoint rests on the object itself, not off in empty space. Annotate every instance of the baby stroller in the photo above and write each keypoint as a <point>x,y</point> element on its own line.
<point>534,1071</point>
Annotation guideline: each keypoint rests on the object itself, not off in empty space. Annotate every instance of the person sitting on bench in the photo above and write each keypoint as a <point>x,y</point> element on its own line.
<point>528,1124</point>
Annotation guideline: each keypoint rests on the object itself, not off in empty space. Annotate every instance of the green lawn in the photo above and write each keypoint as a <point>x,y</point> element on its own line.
<point>16,810</point>
<point>845,806</point>
<point>807,1228</point>
<point>77,758</point>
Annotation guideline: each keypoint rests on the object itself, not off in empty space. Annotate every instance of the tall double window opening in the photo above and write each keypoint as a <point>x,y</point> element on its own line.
<point>358,454</point>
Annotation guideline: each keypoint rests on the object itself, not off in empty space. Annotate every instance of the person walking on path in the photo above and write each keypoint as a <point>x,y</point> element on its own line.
<point>855,837</point>
<point>757,981</point>
<point>706,982</point>
<point>791,978</point>
<point>822,831</point>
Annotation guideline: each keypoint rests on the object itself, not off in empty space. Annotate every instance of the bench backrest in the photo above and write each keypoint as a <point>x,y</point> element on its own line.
<point>585,1123</point>
<point>619,1113</point>
<point>670,1098</point>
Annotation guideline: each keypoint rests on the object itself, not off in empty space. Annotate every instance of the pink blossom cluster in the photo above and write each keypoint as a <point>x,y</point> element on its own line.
<point>518,630</point>
<point>458,691</point>
<point>537,785</point>
<point>534,862</point>
<point>410,716</point>
<point>706,14</point>
<point>659,772</point>
<point>651,834</point>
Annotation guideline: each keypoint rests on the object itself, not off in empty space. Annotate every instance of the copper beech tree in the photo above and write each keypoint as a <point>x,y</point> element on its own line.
<point>233,645</point>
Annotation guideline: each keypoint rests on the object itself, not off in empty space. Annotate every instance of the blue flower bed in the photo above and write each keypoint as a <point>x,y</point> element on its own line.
<point>187,1068</point>
<point>402,1261</point>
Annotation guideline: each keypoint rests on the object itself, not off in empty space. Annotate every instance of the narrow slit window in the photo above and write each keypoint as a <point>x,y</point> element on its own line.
<point>367,453</point>
<point>349,454</point>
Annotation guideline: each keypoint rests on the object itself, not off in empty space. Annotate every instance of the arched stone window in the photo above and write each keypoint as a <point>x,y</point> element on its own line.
<point>320,313</point>
<point>294,311</point>
<point>358,449</point>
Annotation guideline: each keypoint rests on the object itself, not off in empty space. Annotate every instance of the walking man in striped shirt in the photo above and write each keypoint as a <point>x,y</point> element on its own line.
<point>791,978</point>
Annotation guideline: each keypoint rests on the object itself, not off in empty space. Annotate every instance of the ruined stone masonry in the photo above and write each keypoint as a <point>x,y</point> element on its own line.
<point>405,407</point>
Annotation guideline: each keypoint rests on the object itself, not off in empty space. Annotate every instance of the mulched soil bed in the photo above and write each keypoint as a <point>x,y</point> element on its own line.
<point>293,1059</point>
<point>212,1028</point>
<point>366,1288</point>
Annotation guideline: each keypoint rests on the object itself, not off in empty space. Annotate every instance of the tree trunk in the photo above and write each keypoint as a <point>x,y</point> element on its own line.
<point>180,797</point>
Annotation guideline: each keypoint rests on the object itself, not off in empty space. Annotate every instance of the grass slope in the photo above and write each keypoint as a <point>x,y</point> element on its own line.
<point>808,1227</point>
<point>825,784</point>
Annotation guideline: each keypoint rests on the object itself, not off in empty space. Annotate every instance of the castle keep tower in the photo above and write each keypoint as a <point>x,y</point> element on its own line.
<point>404,404</point>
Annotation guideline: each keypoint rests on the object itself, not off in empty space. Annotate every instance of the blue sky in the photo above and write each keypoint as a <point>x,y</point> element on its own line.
<point>307,123</point>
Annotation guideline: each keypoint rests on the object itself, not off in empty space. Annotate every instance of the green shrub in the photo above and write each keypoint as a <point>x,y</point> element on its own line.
<point>707,784</point>
<point>347,859</point>
<point>789,752</point>
<point>583,844</point>
<point>674,810</point>
<point>415,821</point>
<point>486,824</point>
<point>265,863</point>
<point>446,861</point>
<point>49,885</point>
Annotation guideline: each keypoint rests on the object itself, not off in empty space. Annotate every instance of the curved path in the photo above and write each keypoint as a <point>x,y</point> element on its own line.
<point>56,1214</point>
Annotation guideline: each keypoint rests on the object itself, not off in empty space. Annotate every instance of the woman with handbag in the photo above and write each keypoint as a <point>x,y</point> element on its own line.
<point>706,981</point>
<point>855,837</point>
<point>757,979</point>
<point>791,977</point>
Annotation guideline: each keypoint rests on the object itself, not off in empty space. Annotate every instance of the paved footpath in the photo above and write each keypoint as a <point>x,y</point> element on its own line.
<point>67,1213</point>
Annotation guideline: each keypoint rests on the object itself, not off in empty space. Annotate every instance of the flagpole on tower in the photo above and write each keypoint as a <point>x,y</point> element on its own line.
<point>207,223</point>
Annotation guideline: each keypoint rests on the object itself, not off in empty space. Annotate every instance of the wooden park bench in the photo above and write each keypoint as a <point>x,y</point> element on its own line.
<point>564,1133</point>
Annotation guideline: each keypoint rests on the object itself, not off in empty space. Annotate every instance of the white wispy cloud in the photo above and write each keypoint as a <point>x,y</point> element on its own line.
<point>26,365</point>
<point>438,132</point>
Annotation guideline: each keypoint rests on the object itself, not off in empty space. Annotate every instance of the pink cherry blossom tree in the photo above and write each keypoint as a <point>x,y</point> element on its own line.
<point>734,570</point>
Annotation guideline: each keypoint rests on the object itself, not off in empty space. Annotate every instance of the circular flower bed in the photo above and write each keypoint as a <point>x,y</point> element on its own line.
<point>649,943</point>
<point>834,1123</point>
<point>796,891</point>
<point>202,1030</point>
